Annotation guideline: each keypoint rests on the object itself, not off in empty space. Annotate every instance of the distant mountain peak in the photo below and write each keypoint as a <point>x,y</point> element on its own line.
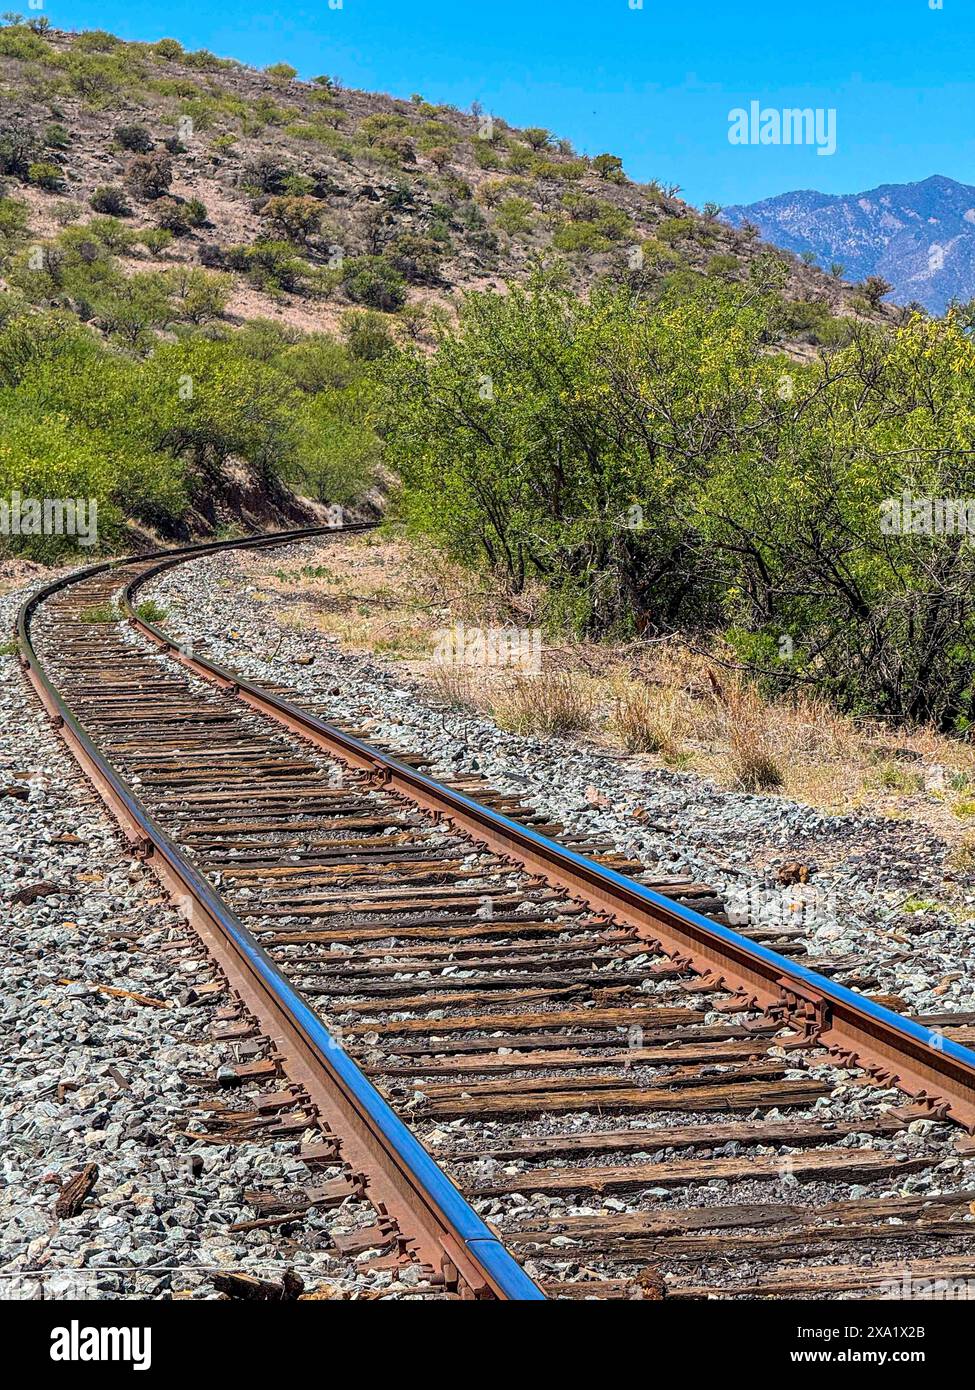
<point>920,236</point>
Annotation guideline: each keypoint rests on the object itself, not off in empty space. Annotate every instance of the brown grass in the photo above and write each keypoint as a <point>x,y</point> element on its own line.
<point>651,719</point>
<point>748,732</point>
<point>661,699</point>
<point>553,702</point>
<point>454,686</point>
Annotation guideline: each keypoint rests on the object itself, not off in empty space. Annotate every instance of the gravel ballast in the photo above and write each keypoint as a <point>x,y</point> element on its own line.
<point>91,1077</point>
<point>873,883</point>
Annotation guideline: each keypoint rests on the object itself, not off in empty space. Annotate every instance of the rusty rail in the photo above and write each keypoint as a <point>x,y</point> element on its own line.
<point>403,1178</point>
<point>895,1050</point>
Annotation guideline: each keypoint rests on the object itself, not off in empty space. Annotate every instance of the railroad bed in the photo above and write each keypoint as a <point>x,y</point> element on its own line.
<point>633,1120</point>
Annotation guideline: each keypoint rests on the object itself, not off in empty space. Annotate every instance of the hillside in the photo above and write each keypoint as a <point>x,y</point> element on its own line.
<point>312,197</point>
<point>920,237</point>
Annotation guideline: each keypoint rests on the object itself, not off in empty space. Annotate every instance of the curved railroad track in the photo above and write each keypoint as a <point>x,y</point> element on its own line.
<point>492,1020</point>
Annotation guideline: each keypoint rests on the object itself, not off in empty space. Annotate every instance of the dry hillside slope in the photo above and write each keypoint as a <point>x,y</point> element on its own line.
<point>233,161</point>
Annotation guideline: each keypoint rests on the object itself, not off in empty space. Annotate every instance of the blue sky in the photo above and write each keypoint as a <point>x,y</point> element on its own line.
<point>652,83</point>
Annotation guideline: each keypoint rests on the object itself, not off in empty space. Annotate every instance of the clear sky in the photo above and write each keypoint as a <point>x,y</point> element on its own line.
<point>653,82</point>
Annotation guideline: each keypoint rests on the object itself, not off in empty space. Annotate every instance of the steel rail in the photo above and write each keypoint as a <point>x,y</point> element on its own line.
<point>897,1051</point>
<point>402,1176</point>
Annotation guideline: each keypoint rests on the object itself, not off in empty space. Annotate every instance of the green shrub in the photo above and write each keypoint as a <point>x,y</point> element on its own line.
<point>609,166</point>
<point>17,41</point>
<point>112,233</point>
<point>724,267</point>
<point>676,229</point>
<point>171,50</point>
<point>46,176</point>
<point>136,138</point>
<point>580,236</point>
<point>366,335</point>
<point>269,265</point>
<point>295,218</point>
<point>13,224</point>
<point>570,171</point>
<point>196,295</point>
<point>417,258</point>
<point>110,199</point>
<point>155,239</point>
<point>20,146</point>
<point>514,216</point>
<point>374,282</point>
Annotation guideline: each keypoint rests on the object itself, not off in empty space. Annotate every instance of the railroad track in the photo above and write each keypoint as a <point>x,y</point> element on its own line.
<point>553,1079</point>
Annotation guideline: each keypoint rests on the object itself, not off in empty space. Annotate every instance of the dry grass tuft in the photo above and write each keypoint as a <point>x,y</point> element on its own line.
<point>751,745</point>
<point>453,685</point>
<point>649,719</point>
<point>554,702</point>
<point>962,857</point>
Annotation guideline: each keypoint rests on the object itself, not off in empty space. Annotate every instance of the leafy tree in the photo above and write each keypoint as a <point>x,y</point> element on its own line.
<point>537,136</point>
<point>295,219</point>
<point>207,402</point>
<point>609,166</point>
<point>874,288</point>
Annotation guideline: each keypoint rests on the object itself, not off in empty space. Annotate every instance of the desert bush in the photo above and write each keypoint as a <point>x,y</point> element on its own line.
<point>169,49</point>
<point>580,236</point>
<point>171,214</point>
<point>13,224</point>
<point>18,41</point>
<point>609,166</point>
<point>136,138</point>
<point>155,239</point>
<point>265,173</point>
<point>417,258</point>
<point>283,73</point>
<point>366,335</point>
<point>294,217</point>
<point>56,137</point>
<point>514,216</point>
<point>269,265</point>
<point>110,199</point>
<point>196,295</point>
<point>374,282</point>
<point>46,176</point>
<point>150,175</point>
<point>20,146</point>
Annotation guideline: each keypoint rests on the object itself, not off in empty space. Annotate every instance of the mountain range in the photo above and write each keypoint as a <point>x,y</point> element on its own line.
<point>920,237</point>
